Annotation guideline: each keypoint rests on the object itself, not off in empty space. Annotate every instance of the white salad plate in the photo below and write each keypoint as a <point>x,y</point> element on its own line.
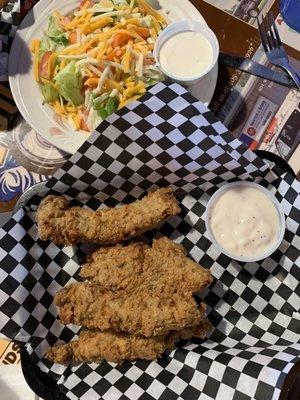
<point>27,93</point>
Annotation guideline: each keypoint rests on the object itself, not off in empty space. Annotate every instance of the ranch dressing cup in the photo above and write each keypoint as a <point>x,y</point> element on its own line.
<point>186,51</point>
<point>245,221</point>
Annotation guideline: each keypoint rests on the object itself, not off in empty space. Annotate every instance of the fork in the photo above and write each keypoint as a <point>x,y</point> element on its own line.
<point>274,48</point>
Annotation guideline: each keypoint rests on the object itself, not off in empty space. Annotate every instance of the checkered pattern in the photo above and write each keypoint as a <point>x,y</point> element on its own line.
<point>9,20</point>
<point>165,138</point>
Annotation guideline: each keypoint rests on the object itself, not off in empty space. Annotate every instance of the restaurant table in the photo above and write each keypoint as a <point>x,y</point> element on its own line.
<point>26,159</point>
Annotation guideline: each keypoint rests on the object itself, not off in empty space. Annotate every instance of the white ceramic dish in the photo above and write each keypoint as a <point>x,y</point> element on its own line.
<point>27,93</point>
<point>186,26</point>
<point>282,224</point>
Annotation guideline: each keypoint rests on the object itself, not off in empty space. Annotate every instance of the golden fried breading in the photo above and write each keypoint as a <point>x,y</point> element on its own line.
<point>69,225</point>
<point>146,313</point>
<point>164,266</point>
<point>94,346</point>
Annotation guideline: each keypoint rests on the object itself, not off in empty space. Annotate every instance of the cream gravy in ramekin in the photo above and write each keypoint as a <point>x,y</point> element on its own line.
<point>245,222</point>
<point>186,54</point>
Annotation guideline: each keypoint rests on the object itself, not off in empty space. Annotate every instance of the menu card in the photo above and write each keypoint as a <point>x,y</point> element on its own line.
<point>262,114</point>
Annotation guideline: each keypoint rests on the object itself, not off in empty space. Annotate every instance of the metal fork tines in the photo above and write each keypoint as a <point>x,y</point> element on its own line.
<point>274,48</point>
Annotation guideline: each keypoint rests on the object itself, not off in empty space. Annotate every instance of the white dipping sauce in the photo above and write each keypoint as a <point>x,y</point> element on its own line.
<point>245,222</point>
<point>186,54</point>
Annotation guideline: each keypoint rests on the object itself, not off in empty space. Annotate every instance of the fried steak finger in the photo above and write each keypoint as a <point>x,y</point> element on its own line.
<point>164,266</point>
<point>141,313</point>
<point>94,346</point>
<point>116,267</point>
<point>69,225</point>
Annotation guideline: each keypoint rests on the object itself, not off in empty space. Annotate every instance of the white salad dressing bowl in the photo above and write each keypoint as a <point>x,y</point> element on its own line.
<point>271,197</point>
<point>187,26</point>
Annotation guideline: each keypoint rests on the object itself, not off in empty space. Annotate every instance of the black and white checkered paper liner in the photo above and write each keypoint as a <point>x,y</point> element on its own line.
<point>165,138</point>
<point>10,17</point>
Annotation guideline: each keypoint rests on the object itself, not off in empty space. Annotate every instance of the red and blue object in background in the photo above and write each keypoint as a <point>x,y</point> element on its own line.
<point>290,11</point>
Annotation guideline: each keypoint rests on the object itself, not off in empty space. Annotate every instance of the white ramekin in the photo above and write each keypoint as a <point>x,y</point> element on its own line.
<point>271,197</point>
<point>185,26</point>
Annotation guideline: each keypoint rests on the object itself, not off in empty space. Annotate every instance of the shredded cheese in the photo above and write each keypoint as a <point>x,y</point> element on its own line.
<point>108,14</point>
<point>88,27</point>
<point>96,71</point>
<point>32,46</point>
<point>94,9</point>
<point>124,102</point>
<point>86,97</point>
<point>72,122</point>
<point>87,61</point>
<point>114,93</point>
<point>36,60</point>
<point>114,64</point>
<point>110,64</point>
<point>139,65</point>
<point>71,48</point>
<point>147,9</point>
<point>78,36</point>
<point>126,59</point>
<point>66,57</point>
<point>59,109</point>
<point>48,82</point>
<point>77,120</point>
<point>101,80</point>
<point>114,85</point>
<point>51,62</point>
<point>92,82</point>
<point>138,88</point>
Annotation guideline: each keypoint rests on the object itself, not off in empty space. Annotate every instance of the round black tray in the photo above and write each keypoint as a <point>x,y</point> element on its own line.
<point>39,382</point>
<point>45,386</point>
<point>281,164</point>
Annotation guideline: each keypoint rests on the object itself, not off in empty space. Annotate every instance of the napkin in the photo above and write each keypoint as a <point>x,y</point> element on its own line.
<point>13,385</point>
<point>165,138</point>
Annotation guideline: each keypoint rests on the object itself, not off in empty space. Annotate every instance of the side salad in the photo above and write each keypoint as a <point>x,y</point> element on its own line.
<point>97,59</point>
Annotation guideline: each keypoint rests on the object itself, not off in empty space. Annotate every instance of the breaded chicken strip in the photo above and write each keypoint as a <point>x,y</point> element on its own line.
<point>164,266</point>
<point>148,313</point>
<point>94,346</point>
<point>69,225</point>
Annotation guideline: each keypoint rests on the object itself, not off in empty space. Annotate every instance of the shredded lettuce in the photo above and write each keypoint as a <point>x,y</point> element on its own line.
<point>69,82</point>
<point>55,33</point>
<point>102,113</point>
<point>152,76</point>
<point>147,21</point>
<point>46,45</point>
<point>120,2</point>
<point>49,93</point>
<point>151,81</point>
<point>64,79</point>
<point>98,102</point>
<point>60,39</point>
<point>53,28</point>
<point>54,39</point>
<point>110,107</point>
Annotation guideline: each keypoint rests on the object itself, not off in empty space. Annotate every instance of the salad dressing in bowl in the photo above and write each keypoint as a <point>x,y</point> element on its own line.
<point>186,51</point>
<point>186,54</point>
<point>246,221</point>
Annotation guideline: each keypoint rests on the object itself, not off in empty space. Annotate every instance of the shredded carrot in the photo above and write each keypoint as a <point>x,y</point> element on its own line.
<point>111,52</point>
